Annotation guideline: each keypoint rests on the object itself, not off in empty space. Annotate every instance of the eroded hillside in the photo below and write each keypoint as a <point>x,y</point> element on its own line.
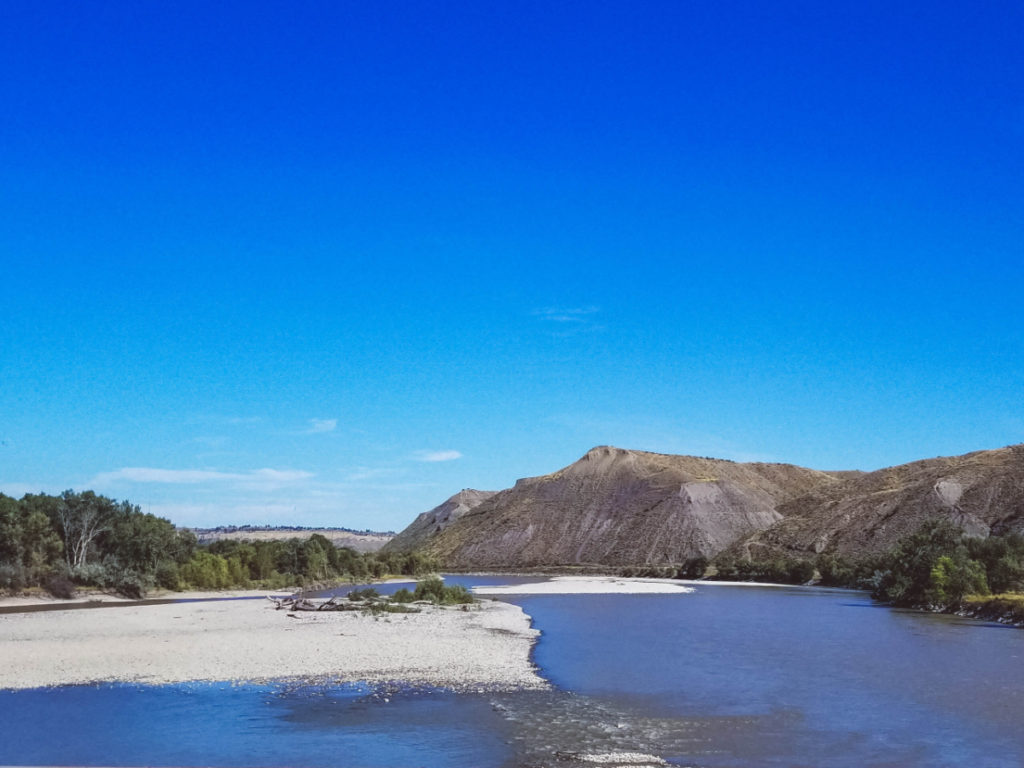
<point>981,492</point>
<point>622,507</point>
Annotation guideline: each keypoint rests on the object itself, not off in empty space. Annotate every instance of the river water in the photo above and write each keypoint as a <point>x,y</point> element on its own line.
<point>724,676</point>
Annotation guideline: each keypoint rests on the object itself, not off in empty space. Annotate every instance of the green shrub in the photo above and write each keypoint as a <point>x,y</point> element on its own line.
<point>402,596</point>
<point>693,568</point>
<point>89,574</point>
<point>168,576</point>
<point>127,582</point>
<point>800,571</point>
<point>363,594</point>
<point>435,591</point>
<point>60,586</point>
<point>12,577</point>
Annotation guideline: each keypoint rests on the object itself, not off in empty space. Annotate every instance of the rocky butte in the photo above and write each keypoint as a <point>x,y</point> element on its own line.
<point>618,507</point>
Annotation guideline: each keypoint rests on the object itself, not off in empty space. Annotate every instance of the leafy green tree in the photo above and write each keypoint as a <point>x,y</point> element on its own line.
<point>28,543</point>
<point>206,571</point>
<point>953,577</point>
<point>141,541</point>
<point>912,562</point>
<point>41,545</point>
<point>83,517</point>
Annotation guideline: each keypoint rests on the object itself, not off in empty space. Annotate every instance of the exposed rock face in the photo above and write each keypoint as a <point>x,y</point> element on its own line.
<point>618,507</point>
<point>436,520</point>
<point>982,492</point>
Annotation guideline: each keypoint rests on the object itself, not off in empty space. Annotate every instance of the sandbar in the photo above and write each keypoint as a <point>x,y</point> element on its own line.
<point>581,585</point>
<point>486,647</point>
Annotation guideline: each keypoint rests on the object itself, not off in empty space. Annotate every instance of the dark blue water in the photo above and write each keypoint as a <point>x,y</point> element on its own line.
<point>726,676</point>
<point>795,676</point>
<point>222,725</point>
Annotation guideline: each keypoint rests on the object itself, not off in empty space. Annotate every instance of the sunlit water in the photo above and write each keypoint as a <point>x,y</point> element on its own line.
<point>725,676</point>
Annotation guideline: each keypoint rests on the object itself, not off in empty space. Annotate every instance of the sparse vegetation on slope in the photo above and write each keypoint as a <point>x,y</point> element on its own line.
<point>619,509</point>
<point>622,508</point>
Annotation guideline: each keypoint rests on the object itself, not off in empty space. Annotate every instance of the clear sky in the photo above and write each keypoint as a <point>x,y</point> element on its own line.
<point>327,263</point>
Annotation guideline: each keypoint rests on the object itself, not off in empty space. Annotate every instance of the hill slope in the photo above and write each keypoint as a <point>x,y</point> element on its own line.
<point>436,520</point>
<point>981,492</point>
<point>620,507</point>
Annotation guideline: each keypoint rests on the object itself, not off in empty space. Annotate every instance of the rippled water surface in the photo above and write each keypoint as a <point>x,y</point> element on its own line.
<point>786,676</point>
<point>725,676</point>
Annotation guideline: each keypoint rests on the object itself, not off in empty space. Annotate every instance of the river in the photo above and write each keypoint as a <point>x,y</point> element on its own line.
<point>723,676</point>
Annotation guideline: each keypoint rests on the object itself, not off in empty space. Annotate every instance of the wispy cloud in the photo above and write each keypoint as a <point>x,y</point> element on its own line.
<point>566,314</point>
<point>252,478</point>
<point>244,419</point>
<point>211,441</point>
<point>435,456</point>
<point>569,320</point>
<point>360,474</point>
<point>318,426</point>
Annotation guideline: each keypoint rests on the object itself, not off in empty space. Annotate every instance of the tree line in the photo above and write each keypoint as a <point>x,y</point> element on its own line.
<point>84,539</point>
<point>936,566</point>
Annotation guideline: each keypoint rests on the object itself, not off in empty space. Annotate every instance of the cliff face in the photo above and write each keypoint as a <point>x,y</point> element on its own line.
<point>431,523</point>
<point>981,492</point>
<point>620,507</point>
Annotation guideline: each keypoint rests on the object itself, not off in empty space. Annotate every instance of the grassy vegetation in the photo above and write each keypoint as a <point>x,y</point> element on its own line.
<point>1006,606</point>
<point>431,590</point>
<point>434,590</point>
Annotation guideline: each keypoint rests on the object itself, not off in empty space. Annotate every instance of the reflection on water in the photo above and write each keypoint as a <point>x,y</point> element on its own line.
<point>726,676</point>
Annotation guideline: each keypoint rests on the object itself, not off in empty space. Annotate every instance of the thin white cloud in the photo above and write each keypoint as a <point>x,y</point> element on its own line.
<point>569,320</point>
<point>244,419</point>
<point>370,473</point>
<point>566,314</point>
<point>318,426</point>
<point>195,476</point>
<point>435,456</point>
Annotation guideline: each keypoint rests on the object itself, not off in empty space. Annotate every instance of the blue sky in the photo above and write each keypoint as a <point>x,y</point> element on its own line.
<point>328,263</point>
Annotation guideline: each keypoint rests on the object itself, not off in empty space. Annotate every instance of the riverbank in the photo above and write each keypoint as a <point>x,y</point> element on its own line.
<point>485,647</point>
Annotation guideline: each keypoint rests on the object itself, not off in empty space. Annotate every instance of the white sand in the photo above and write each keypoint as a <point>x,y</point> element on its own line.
<point>581,585</point>
<point>485,647</point>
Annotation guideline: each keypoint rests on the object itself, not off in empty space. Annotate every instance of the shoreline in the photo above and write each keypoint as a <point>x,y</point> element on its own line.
<point>157,596</point>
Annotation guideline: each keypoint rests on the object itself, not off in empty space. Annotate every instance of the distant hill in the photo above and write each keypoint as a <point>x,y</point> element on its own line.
<point>429,524</point>
<point>618,507</point>
<point>361,541</point>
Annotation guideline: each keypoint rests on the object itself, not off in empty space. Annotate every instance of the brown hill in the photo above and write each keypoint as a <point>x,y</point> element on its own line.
<point>361,541</point>
<point>982,492</point>
<point>620,507</point>
<point>436,520</point>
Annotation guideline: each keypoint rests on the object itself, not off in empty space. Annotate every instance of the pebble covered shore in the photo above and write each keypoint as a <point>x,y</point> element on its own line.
<point>485,647</point>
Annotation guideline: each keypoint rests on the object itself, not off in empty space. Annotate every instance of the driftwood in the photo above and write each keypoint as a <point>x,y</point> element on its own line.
<point>297,603</point>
